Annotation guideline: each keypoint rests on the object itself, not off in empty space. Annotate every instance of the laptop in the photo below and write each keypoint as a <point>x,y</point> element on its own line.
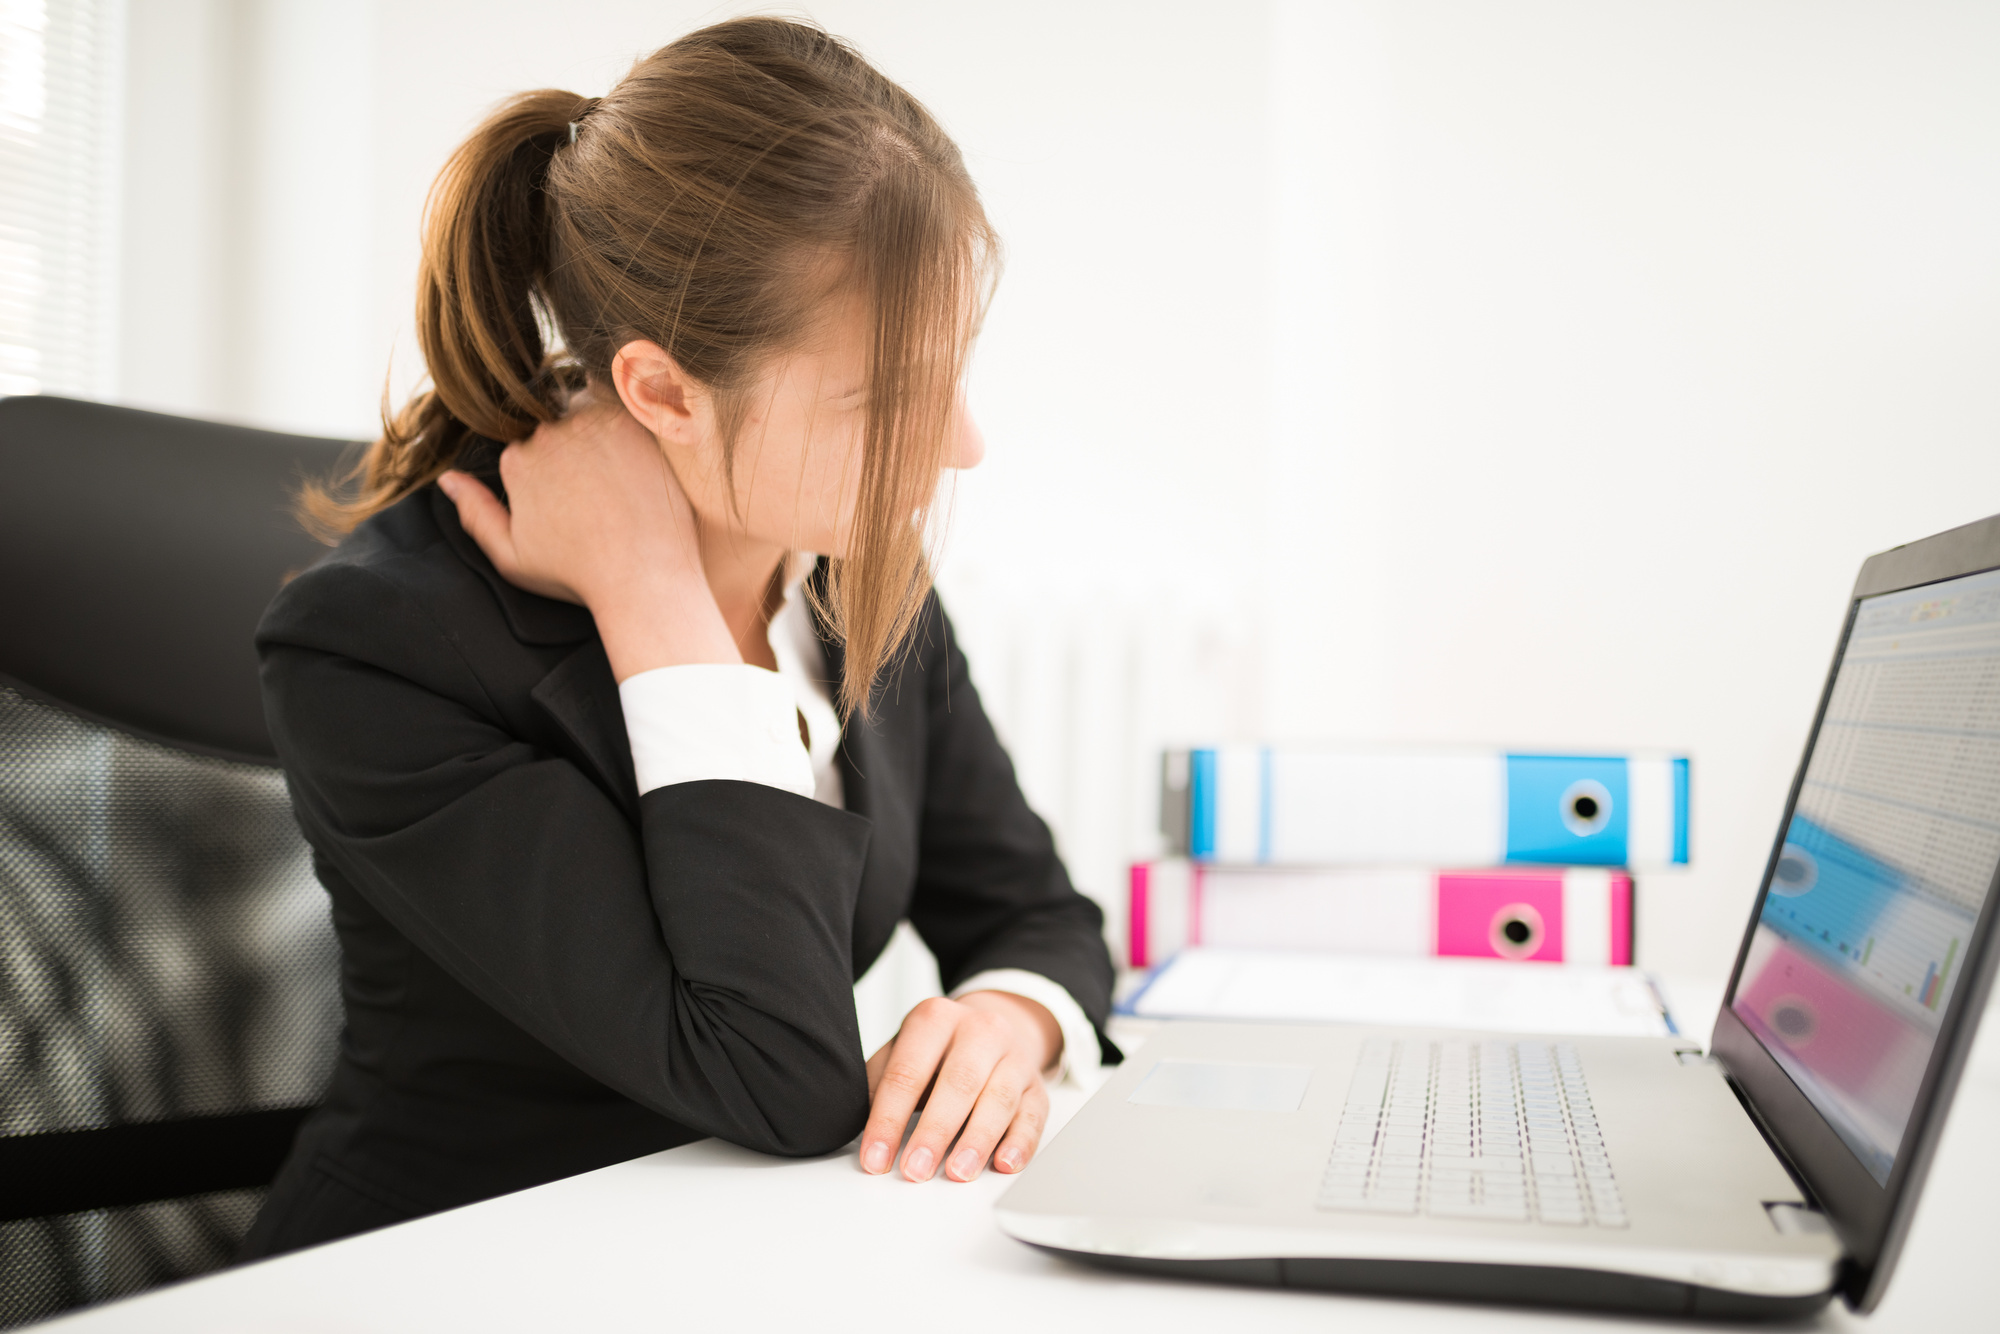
<point>1759,1178</point>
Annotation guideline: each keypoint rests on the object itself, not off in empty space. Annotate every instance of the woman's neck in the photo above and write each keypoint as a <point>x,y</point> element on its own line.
<point>746,578</point>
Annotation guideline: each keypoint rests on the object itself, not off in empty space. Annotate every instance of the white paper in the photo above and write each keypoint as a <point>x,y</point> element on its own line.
<point>1492,995</point>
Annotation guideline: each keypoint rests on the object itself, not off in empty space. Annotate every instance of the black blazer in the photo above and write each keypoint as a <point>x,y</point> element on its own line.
<point>545,972</point>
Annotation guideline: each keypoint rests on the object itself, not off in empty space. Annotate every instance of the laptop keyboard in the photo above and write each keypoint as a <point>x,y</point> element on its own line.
<point>1491,1130</point>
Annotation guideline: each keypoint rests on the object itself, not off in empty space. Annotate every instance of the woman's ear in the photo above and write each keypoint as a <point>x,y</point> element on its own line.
<point>656,391</point>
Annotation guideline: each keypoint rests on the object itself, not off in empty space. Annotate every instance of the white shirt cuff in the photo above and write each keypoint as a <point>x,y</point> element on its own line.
<point>1081,1057</point>
<point>714,720</point>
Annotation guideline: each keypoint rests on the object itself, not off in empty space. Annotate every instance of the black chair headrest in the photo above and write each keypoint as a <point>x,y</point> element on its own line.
<point>137,552</point>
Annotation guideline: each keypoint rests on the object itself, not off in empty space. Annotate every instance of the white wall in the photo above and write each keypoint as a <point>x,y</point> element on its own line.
<point>251,285</point>
<point>1616,336</point>
<point>179,205</point>
<point>1536,373</point>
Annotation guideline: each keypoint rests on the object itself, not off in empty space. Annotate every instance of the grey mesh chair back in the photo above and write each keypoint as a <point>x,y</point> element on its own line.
<point>169,1001</point>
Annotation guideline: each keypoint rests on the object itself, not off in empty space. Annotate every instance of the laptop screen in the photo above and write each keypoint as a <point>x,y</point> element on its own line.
<point>1888,858</point>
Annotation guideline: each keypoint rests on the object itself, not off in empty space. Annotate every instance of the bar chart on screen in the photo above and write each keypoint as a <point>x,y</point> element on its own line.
<point>1866,921</point>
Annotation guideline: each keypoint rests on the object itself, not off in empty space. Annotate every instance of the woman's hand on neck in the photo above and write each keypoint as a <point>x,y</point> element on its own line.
<point>596,516</point>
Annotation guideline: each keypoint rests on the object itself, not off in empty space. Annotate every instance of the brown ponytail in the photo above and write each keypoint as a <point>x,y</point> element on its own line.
<point>703,204</point>
<point>485,254</point>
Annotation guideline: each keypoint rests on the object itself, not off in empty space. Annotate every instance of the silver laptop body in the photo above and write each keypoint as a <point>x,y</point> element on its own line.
<point>1622,1173</point>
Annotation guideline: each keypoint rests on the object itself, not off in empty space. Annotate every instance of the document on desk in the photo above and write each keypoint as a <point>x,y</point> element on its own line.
<point>1486,994</point>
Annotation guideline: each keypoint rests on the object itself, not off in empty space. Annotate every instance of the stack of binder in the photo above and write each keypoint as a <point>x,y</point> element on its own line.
<point>1450,853</point>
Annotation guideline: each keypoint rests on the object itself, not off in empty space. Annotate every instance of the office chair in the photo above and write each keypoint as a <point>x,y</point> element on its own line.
<point>169,1000</point>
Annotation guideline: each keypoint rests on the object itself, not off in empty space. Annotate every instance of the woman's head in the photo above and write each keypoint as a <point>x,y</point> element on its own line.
<point>778,464</point>
<point>755,230</point>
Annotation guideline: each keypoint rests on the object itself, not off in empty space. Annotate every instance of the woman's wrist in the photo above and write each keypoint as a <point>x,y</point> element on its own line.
<point>1032,1018</point>
<point>668,620</point>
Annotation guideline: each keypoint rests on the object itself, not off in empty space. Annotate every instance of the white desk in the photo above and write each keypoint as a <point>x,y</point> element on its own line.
<point>714,1237</point>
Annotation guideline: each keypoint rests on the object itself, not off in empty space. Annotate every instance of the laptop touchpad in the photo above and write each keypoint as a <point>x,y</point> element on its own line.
<point>1224,1086</point>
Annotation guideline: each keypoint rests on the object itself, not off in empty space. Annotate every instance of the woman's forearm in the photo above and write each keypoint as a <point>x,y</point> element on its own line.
<point>632,952</point>
<point>661,619</point>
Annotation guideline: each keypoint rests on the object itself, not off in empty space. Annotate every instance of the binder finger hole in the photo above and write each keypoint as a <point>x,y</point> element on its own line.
<point>1586,807</point>
<point>1516,931</point>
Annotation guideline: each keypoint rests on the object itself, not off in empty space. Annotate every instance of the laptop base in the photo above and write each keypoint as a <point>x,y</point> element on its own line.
<point>1522,1285</point>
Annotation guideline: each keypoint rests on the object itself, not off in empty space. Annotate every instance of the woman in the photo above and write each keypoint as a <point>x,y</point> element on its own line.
<point>606,851</point>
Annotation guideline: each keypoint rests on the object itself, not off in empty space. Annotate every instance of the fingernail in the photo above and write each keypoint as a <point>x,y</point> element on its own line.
<point>1008,1159</point>
<point>447,482</point>
<point>965,1164</point>
<point>917,1167</point>
<point>875,1157</point>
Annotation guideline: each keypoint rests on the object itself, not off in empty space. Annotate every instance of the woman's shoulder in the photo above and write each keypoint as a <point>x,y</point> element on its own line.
<point>410,591</point>
<point>365,566</point>
<point>396,578</point>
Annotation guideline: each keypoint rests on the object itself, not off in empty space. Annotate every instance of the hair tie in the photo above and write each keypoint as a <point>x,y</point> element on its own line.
<point>589,105</point>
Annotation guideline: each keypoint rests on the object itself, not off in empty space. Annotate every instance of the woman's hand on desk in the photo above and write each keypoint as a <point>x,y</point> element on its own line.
<point>594,515</point>
<point>981,1059</point>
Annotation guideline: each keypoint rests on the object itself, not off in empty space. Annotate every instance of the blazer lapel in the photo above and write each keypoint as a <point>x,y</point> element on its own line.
<point>582,696</point>
<point>878,783</point>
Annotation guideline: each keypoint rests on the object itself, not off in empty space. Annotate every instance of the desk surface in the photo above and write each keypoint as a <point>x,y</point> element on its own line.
<point>711,1236</point>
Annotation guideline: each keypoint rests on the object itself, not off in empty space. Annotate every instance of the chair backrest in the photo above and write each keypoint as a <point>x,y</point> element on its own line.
<point>169,1002</point>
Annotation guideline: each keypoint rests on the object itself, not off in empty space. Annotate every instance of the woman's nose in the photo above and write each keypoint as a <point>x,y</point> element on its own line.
<point>968,446</point>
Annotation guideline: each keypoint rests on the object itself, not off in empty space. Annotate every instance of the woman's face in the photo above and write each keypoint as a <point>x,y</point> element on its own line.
<point>796,474</point>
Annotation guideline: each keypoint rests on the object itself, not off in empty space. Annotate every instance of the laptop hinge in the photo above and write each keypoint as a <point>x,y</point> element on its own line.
<point>1777,1150</point>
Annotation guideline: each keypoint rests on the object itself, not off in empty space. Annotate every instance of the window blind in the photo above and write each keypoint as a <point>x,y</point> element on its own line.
<point>59,118</point>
